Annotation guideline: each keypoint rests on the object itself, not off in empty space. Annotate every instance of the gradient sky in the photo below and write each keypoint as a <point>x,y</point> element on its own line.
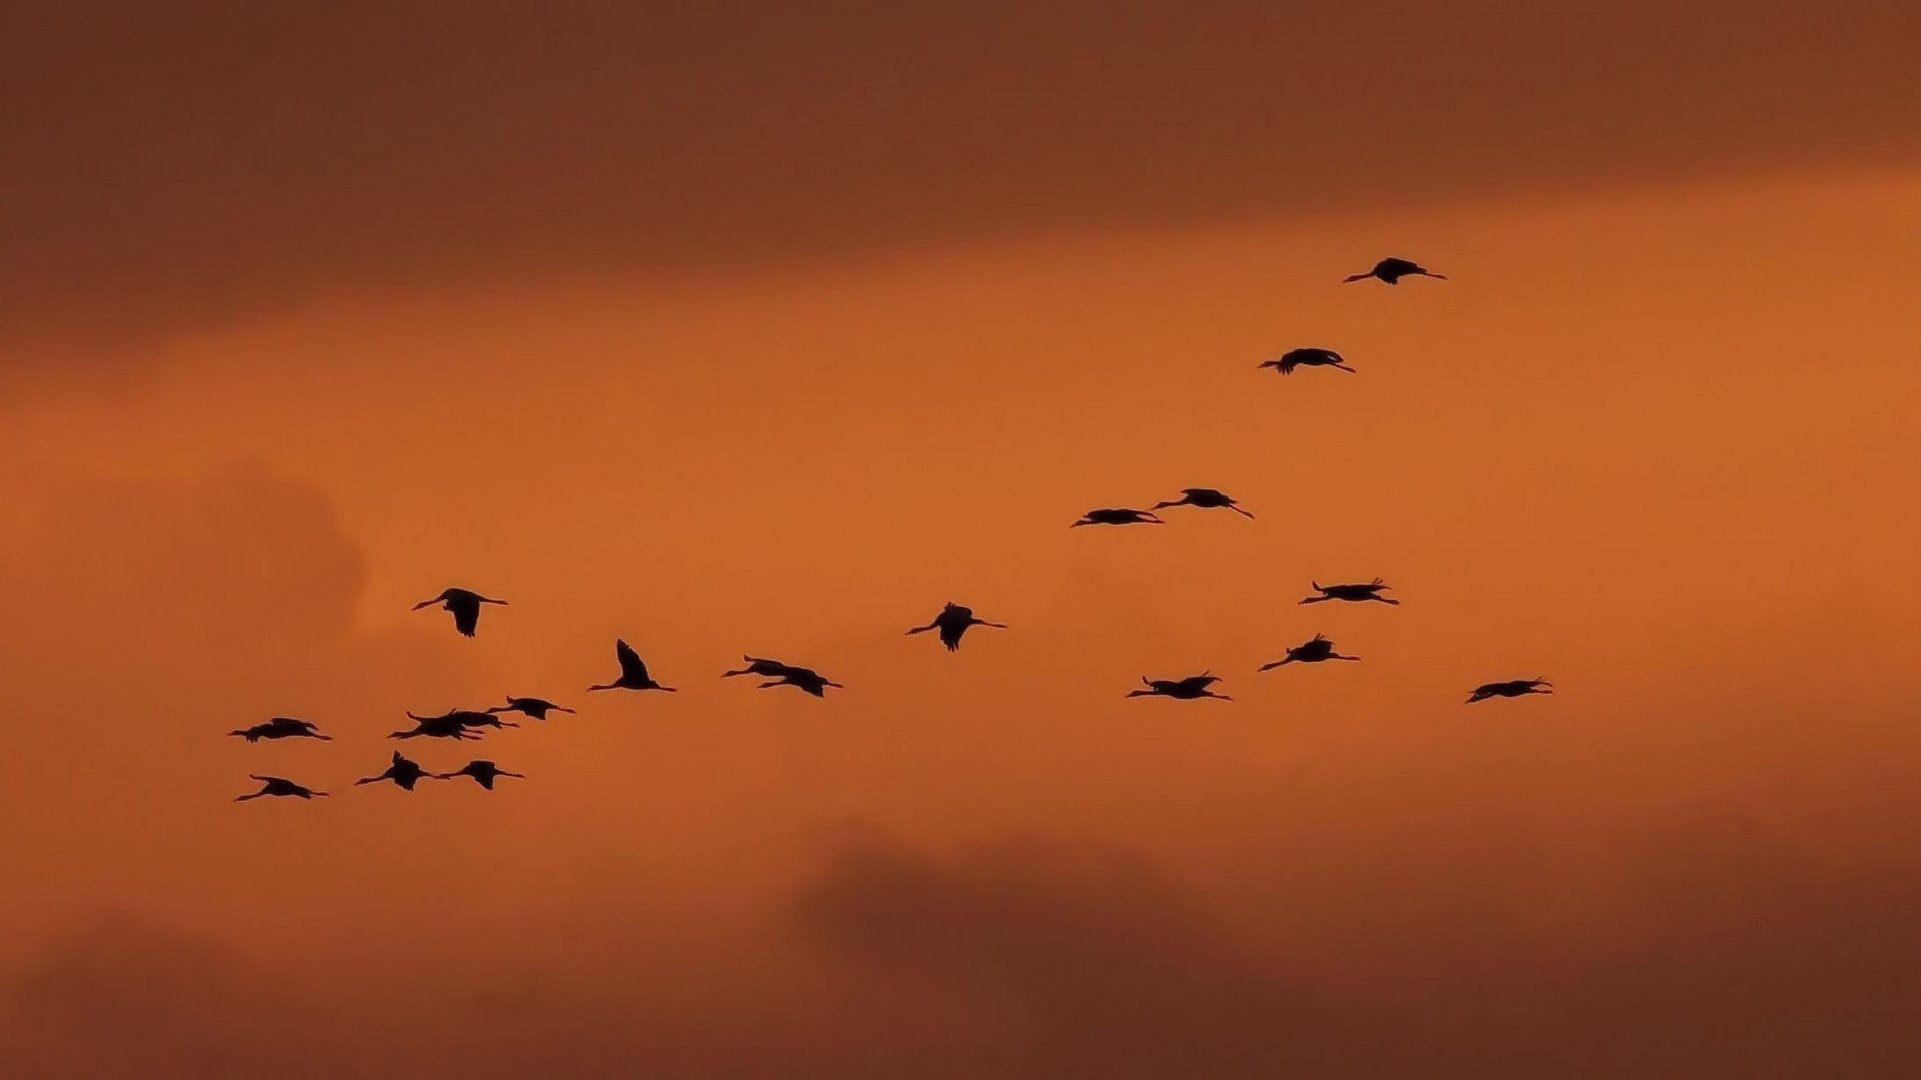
<point>768,330</point>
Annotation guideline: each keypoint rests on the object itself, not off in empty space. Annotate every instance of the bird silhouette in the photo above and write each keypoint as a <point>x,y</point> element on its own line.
<point>538,708</point>
<point>1511,688</point>
<point>403,771</point>
<point>1293,358</point>
<point>279,787</point>
<point>1108,515</point>
<point>483,772</point>
<point>455,724</point>
<point>1206,499</point>
<point>281,727</point>
<point>1194,686</point>
<point>633,673</point>
<point>757,665</point>
<point>1309,652</point>
<point>807,679</point>
<point>1393,270</point>
<point>1354,593</point>
<point>464,603</point>
<point>952,622</point>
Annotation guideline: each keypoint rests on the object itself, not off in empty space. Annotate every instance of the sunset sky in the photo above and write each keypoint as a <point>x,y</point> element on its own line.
<point>768,328</point>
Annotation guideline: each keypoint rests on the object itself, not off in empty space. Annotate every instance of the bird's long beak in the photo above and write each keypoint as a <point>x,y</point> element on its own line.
<point>427,603</point>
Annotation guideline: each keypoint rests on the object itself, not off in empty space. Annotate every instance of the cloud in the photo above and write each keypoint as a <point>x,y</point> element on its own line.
<point>168,168</point>
<point>1027,956</point>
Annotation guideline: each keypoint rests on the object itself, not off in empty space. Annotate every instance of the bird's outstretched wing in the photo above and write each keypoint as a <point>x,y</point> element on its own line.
<point>630,662</point>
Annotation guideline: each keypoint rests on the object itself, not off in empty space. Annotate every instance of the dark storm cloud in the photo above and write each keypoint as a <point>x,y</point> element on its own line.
<point>170,164</point>
<point>1034,958</point>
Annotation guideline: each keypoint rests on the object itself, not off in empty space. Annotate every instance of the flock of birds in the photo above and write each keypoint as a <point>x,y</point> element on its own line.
<point>952,624</point>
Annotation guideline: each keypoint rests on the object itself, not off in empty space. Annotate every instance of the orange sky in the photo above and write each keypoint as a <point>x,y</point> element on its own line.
<point>1653,440</point>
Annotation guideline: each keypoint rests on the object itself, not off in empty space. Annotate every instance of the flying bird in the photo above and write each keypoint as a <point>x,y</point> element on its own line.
<point>538,708</point>
<point>1309,652</point>
<point>465,604</point>
<point>953,621</point>
<point>1355,593</point>
<point>281,727</point>
<point>456,724</point>
<point>1206,499</point>
<point>807,679</point>
<point>1511,688</point>
<point>633,673</point>
<point>1194,686</point>
<point>1393,270</point>
<point>1117,516</point>
<point>483,772</point>
<point>758,665</point>
<point>279,787</point>
<point>403,771</point>
<point>1293,358</point>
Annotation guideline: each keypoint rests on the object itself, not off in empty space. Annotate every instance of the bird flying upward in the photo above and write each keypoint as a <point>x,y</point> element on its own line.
<point>464,603</point>
<point>1511,688</point>
<point>1352,593</point>
<point>633,673</point>
<point>1293,358</point>
<point>1206,499</point>
<point>952,622</point>
<point>1309,652</point>
<point>281,727</point>
<point>1188,689</point>
<point>1392,270</point>
<point>281,788</point>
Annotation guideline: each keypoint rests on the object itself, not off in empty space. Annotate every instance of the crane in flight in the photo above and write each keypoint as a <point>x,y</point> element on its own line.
<point>483,772</point>
<point>633,673</point>
<point>465,605</point>
<point>952,622</point>
<point>1188,689</point>
<point>1353,593</point>
<point>1511,688</point>
<point>1293,358</point>
<point>1308,652</point>
<point>403,771</point>
<point>281,727</point>
<point>280,788</point>
<point>538,708</point>
<point>1117,515</point>
<point>1206,499</point>
<point>1392,270</point>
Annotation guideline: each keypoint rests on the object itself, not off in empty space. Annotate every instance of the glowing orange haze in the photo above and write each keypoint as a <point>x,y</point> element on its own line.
<point>1658,447</point>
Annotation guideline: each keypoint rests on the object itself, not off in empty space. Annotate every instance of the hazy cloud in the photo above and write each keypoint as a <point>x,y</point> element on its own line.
<point>170,165</point>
